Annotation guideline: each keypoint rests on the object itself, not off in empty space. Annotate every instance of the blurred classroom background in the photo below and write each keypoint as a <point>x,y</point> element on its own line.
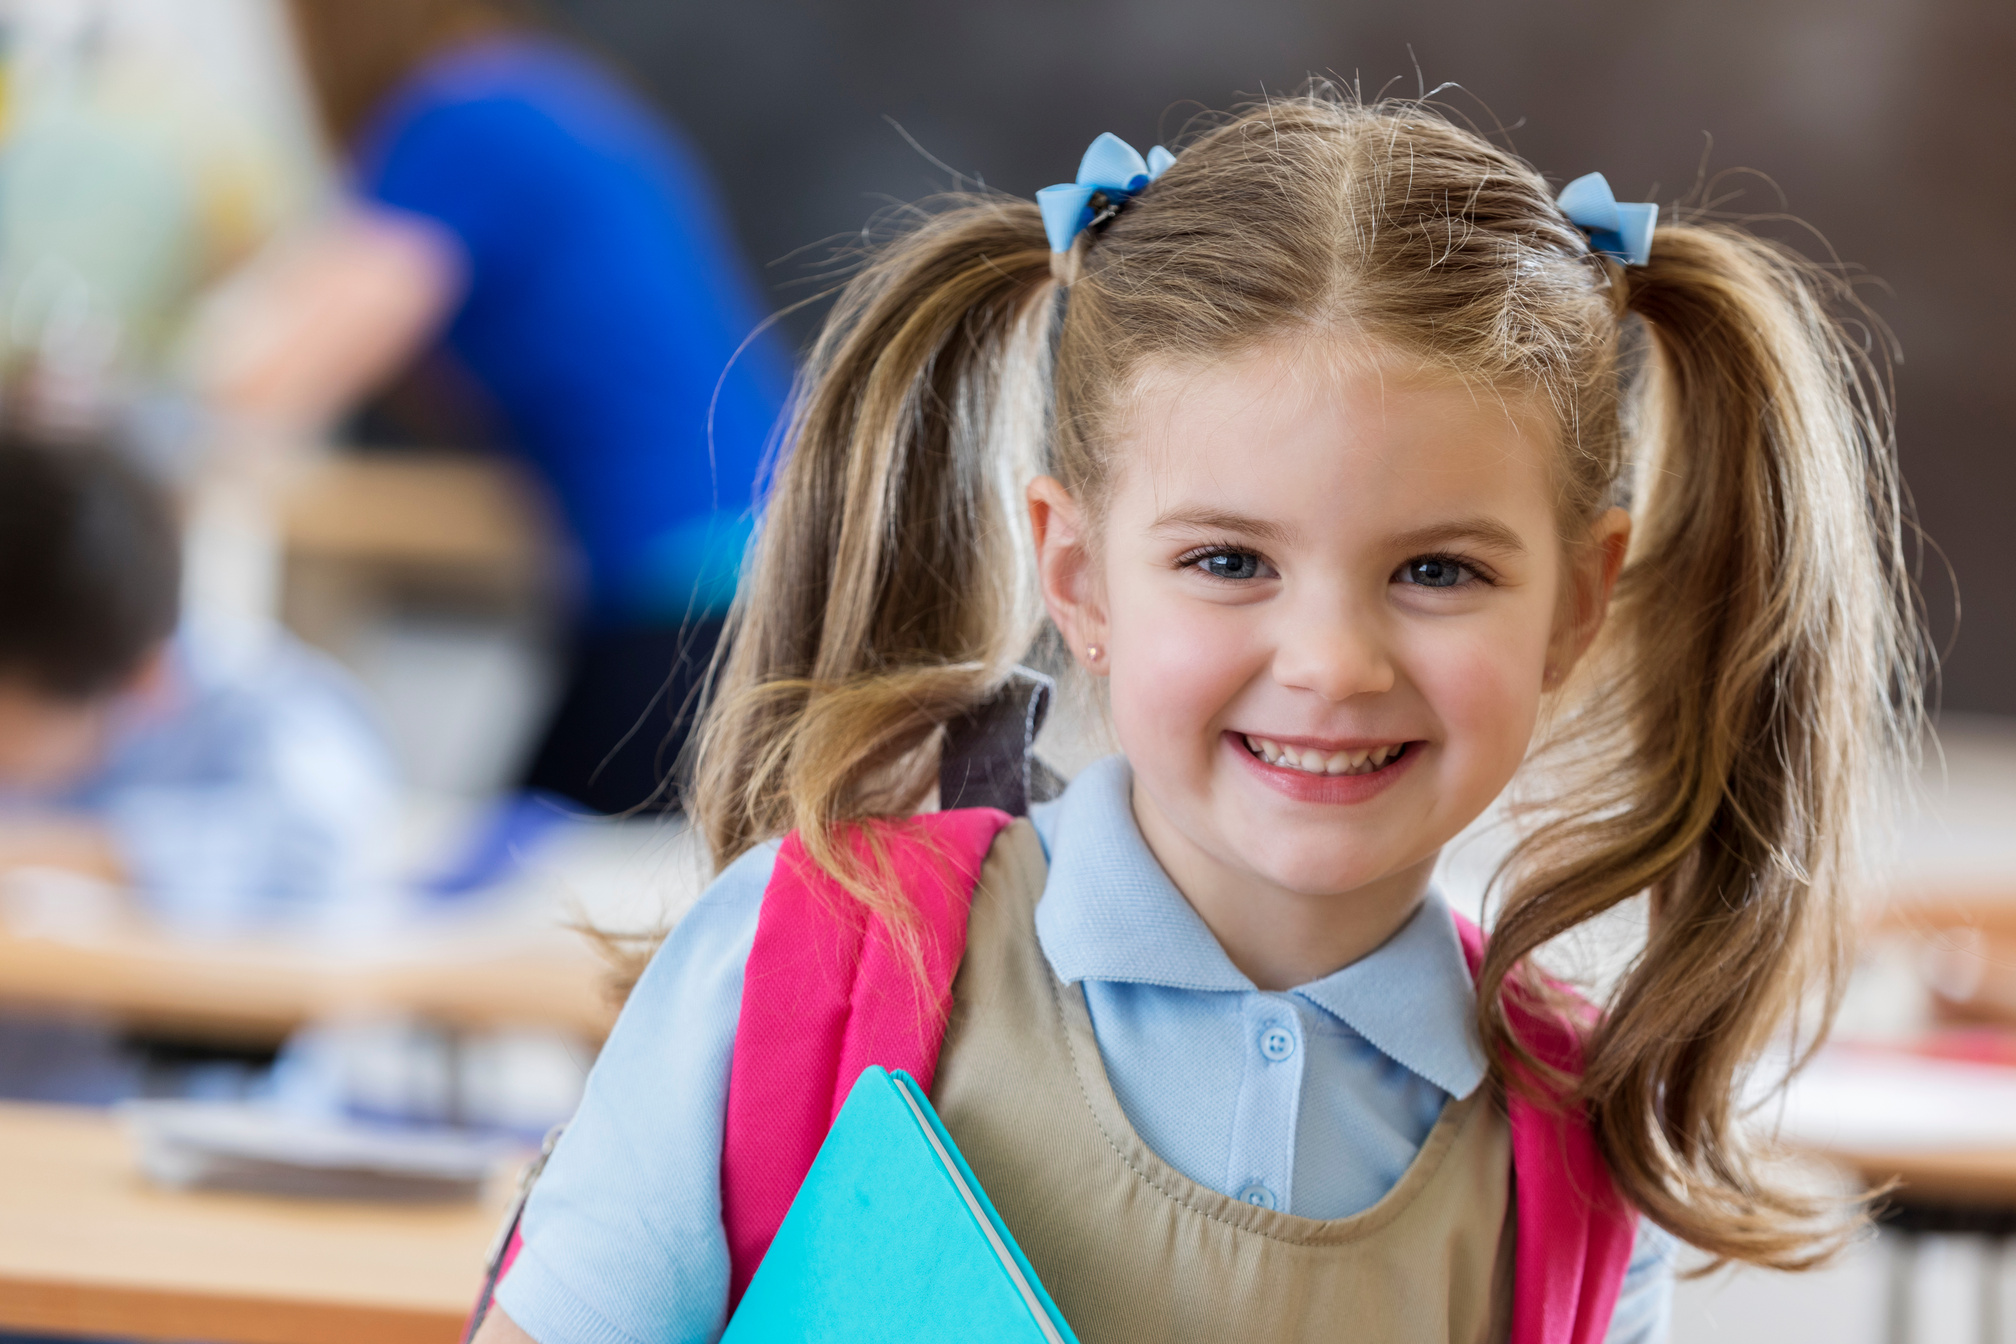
<point>434,419</point>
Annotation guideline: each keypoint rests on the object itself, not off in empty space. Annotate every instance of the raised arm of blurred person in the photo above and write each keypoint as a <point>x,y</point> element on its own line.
<point>328,314</point>
<point>324,317</point>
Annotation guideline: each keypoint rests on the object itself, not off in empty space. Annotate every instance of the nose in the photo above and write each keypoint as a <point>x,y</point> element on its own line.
<point>1333,650</point>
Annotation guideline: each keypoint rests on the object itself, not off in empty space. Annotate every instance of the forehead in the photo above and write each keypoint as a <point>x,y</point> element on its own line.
<point>1331,424</point>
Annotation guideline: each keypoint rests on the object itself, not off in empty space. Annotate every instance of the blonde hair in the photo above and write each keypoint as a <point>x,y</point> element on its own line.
<point>1756,677</point>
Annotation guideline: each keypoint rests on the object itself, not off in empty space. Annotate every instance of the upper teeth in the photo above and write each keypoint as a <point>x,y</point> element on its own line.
<point>1360,762</point>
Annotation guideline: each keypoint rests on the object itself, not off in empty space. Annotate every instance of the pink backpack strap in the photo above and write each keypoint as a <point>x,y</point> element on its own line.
<point>828,992</point>
<point>1575,1230</point>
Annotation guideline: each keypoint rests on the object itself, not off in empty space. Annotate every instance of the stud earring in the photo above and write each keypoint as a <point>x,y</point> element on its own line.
<point>1094,652</point>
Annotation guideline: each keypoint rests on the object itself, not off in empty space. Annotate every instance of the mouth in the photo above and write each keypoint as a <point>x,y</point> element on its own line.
<point>1315,761</point>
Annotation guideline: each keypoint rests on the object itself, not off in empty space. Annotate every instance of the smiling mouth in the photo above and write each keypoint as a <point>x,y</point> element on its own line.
<point>1363,761</point>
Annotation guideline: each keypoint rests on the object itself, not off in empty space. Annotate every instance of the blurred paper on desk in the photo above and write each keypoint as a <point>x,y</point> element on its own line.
<point>268,1150</point>
<point>1863,1099</point>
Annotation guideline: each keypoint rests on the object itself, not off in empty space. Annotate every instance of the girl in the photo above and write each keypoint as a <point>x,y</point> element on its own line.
<point>1345,466</point>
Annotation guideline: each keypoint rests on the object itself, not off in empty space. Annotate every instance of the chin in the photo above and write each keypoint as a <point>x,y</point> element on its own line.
<point>1318,870</point>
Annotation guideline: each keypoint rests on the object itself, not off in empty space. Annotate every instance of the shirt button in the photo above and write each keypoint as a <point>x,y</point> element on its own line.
<point>1256,1194</point>
<point>1277,1043</point>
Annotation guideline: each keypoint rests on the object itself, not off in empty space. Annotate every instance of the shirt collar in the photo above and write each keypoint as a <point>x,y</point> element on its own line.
<point>1414,1000</point>
<point>1110,913</point>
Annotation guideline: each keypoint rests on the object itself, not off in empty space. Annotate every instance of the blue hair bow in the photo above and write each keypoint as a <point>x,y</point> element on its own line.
<point>1620,229</point>
<point>1111,168</point>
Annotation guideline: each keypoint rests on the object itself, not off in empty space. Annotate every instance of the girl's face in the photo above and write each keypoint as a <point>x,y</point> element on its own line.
<point>1329,590</point>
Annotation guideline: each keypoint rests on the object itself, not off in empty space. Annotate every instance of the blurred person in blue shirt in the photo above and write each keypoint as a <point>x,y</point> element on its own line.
<point>230,785</point>
<point>536,260</point>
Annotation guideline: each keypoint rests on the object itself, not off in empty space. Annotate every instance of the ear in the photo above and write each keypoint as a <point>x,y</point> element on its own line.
<point>1064,565</point>
<point>1585,597</point>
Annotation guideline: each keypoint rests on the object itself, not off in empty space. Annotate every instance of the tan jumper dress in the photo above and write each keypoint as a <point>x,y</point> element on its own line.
<point>1130,1248</point>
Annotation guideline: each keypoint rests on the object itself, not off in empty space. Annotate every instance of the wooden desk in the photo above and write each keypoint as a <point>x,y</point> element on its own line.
<point>510,957</point>
<point>88,1247</point>
<point>418,509</point>
<point>364,531</point>
<point>255,993</point>
<point>1959,1178</point>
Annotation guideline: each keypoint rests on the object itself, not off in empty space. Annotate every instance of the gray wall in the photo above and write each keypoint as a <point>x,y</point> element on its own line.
<point>1889,126</point>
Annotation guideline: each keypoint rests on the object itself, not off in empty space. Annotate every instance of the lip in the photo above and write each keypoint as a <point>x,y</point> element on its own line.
<point>1304,787</point>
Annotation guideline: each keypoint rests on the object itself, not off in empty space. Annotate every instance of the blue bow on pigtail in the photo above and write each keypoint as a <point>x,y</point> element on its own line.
<point>1112,169</point>
<point>1620,229</point>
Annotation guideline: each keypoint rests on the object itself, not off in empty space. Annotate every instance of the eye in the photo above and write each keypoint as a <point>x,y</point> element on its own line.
<point>1435,571</point>
<point>1226,562</point>
<point>1232,565</point>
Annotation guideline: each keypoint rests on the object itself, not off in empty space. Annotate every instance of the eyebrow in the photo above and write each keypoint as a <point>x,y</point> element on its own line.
<point>1488,533</point>
<point>1218,520</point>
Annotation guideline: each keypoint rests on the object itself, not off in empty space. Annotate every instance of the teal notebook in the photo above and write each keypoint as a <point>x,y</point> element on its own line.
<point>891,1240</point>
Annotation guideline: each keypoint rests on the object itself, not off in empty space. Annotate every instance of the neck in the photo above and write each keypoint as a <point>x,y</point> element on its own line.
<point>1279,938</point>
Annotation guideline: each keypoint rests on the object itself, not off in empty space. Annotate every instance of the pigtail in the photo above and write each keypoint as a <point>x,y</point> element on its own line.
<point>892,586</point>
<point>1756,681</point>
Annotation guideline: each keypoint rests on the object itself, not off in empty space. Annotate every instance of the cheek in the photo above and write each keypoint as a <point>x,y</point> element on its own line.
<point>1484,685</point>
<point>1174,666</point>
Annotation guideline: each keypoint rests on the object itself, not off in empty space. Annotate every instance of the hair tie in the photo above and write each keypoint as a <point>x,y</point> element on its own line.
<point>1111,174</point>
<point>1620,229</point>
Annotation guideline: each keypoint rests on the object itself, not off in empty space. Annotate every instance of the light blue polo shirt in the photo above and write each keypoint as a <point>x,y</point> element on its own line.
<point>1313,1101</point>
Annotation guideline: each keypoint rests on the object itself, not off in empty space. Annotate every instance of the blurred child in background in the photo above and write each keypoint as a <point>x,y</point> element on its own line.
<point>229,788</point>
